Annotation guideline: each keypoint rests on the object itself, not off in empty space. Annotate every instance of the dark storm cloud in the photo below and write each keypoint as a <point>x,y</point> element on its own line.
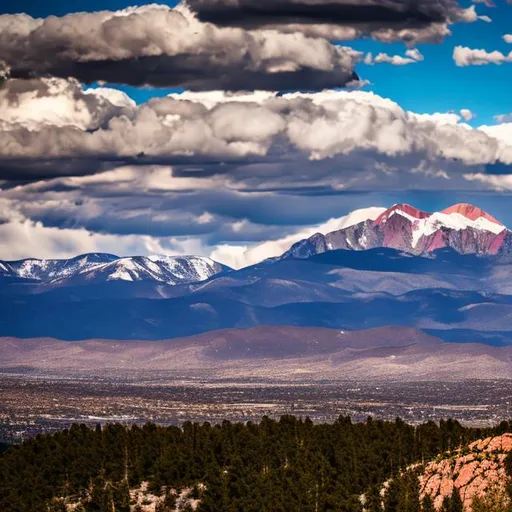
<point>163,47</point>
<point>196,73</point>
<point>383,19</point>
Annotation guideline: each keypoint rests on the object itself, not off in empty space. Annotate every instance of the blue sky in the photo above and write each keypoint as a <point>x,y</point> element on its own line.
<point>437,84</point>
<point>434,85</point>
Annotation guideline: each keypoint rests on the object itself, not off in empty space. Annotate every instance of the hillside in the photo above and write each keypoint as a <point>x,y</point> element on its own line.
<point>286,352</point>
<point>272,466</point>
<point>478,473</point>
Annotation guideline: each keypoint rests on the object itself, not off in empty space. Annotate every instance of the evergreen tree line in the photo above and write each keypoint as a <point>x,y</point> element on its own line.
<point>289,465</point>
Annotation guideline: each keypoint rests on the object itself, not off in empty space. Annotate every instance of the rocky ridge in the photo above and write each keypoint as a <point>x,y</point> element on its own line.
<point>476,472</point>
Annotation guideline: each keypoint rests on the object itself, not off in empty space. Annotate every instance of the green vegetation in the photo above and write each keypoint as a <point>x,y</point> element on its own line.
<point>274,466</point>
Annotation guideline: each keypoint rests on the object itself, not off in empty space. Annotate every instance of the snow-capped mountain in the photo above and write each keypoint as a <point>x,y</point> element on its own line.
<point>462,227</point>
<point>96,267</point>
<point>165,269</point>
<point>53,269</point>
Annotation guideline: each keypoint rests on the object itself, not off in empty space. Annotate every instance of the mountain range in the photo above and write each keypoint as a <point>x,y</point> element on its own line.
<point>107,267</point>
<point>447,273</point>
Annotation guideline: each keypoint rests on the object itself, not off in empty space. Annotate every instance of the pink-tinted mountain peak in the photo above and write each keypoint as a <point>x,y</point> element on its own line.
<point>471,212</point>
<point>401,208</point>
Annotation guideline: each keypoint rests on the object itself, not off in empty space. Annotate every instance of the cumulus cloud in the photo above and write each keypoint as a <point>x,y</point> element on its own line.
<point>412,57</point>
<point>32,104</point>
<point>226,127</point>
<point>499,183</point>
<point>464,56</point>
<point>501,132</point>
<point>160,46</point>
<point>410,21</point>
<point>508,38</point>
<point>467,114</point>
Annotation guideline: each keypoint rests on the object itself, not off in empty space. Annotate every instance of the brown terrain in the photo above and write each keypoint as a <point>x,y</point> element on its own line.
<point>273,352</point>
<point>477,471</point>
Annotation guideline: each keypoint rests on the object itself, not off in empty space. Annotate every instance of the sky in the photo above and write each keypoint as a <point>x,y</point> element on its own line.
<point>232,129</point>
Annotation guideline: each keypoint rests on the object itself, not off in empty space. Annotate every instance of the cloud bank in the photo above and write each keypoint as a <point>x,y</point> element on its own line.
<point>387,20</point>
<point>72,124</point>
<point>163,47</point>
<point>215,173</point>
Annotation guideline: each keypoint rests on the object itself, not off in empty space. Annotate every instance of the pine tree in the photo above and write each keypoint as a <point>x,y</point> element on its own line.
<point>456,504</point>
<point>428,504</point>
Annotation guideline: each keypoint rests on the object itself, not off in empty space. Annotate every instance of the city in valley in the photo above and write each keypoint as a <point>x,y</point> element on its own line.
<point>36,403</point>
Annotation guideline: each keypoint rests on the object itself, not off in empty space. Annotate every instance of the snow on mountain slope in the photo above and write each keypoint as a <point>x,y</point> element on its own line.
<point>47,270</point>
<point>405,210</point>
<point>470,212</point>
<point>164,269</point>
<point>106,267</point>
<point>463,227</point>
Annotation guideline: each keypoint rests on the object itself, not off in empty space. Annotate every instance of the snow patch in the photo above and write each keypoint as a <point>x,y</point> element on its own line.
<point>454,221</point>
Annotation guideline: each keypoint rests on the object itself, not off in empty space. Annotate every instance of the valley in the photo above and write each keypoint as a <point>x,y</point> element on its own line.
<point>41,402</point>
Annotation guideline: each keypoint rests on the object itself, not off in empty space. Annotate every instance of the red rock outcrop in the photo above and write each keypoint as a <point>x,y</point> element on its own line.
<point>474,471</point>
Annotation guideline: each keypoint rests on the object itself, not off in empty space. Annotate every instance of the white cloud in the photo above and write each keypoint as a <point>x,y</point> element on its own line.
<point>467,114</point>
<point>220,125</point>
<point>21,237</point>
<point>464,56</point>
<point>508,38</point>
<point>241,256</point>
<point>33,104</point>
<point>384,58</point>
<point>413,56</point>
<point>497,182</point>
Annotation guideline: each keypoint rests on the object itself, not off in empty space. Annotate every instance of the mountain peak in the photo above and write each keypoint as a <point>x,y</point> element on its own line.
<point>403,209</point>
<point>463,227</point>
<point>471,212</point>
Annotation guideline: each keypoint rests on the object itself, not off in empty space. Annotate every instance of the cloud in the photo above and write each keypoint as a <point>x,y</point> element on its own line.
<point>412,57</point>
<point>464,56</point>
<point>507,38</point>
<point>159,46</point>
<point>410,21</point>
<point>242,256</point>
<point>467,114</point>
<point>501,132</point>
<point>499,183</point>
<point>503,118</point>
<point>73,126</point>
<point>33,104</point>
<point>21,237</point>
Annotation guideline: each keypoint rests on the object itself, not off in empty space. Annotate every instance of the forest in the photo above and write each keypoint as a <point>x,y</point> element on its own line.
<point>284,465</point>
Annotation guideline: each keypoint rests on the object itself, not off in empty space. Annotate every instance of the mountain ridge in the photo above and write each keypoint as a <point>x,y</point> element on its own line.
<point>391,352</point>
<point>462,227</point>
<point>462,296</point>
<point>89,267</point>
